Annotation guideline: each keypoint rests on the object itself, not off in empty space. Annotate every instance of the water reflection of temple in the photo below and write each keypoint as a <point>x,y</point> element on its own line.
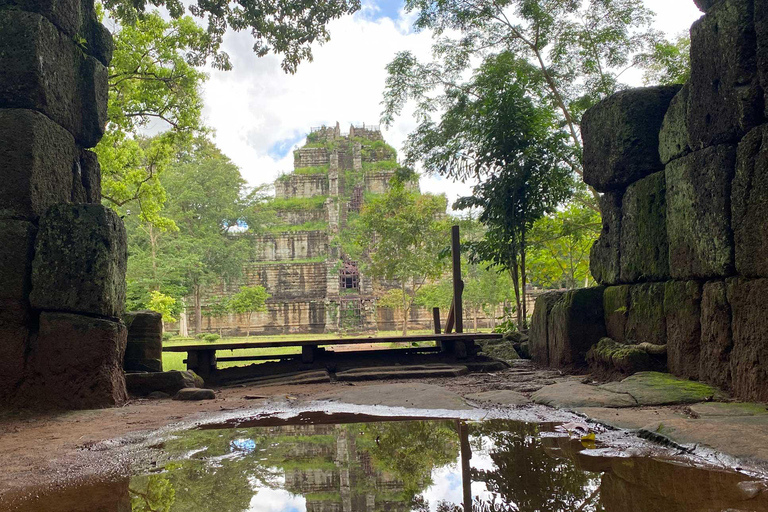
<point>333,470</point>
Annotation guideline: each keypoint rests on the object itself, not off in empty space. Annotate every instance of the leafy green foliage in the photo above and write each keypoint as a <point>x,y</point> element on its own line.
<point>296,203</point>
<point>667,62</point>
<point>560,245</point>
<point>152,78</point>
<point>211,338</point>
<point>286,27</point>
<point>162,303</point>
<point>249,300</point>
<point>398,237</point>
<point>152,493</point>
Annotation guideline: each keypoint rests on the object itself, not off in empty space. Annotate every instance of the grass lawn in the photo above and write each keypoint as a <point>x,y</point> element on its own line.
<point>174,360</point>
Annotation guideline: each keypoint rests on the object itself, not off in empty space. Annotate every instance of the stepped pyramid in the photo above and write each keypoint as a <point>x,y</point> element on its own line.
<point>315,288</point>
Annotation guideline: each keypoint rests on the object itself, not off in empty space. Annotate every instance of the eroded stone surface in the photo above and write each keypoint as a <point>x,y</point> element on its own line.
<point>726,99</point>
<point>673,136</point>
<point>748,299</point>
<point>86,180</point>
<point>654,388</point>
<point>575,323</point>
<point>44,70</point>
<point>143,384</point>
<point>500,397</point>
<point>716,339</point>
<point>15,323</point>
<point>644,249</point>
<point>194,394</point>
<point>414,395</point>
<point>37,158</point>
<point>80,261</point>
<point>621,136</point>
<point>616,304</point>
<point>604,262</point>
<point>538,334</point>
<point>682,309</point>
<point>698,213</point>
<point>144,351</point>
<point>749,204</point>
<point>17,247</point>
<point>77,362</point>
<point>646,321</point>
<point>572,395</point>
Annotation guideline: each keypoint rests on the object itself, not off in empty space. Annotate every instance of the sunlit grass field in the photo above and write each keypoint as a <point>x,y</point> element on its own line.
<point>175,360</point>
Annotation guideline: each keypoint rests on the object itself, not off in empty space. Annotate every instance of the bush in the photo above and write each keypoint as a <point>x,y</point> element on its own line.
<point>167,336</point>
<point>200,335</point>
<point>210,338</point>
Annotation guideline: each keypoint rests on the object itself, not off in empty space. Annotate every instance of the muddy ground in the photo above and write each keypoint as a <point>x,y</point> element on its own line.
<point>53,449</point>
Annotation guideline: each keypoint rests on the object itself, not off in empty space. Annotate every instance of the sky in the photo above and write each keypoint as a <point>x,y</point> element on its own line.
<point>260,114</point>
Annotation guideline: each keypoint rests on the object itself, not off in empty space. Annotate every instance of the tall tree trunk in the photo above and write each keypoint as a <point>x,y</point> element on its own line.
<point>183,324</point>
<point>198,309</point>
<point>516,286</point>
<point>522,278</point>
<point>248,327</point>
<point>476,313</point>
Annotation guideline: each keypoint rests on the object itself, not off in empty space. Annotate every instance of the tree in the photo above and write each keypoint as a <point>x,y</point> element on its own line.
<point>163,304</point>
<point>667,62</point>
<point>493,130</point>
<point>573,53</point>
<point>285,27</point>
<point>152,80</point>
<point>218,308</point>
<point>560,245</point>
<point>247,301</point>
<point>398,236</point>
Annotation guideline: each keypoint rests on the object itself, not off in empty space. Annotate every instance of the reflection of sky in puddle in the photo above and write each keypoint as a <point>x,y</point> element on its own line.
<point>417,465</point>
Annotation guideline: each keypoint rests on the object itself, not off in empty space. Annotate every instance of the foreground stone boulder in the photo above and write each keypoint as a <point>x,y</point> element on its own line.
<point>144,352</point>
<point>143,384</point>
<point>748,299</point>
<point>80,261</point>
<point>575,323</point>
<point>77,362</point>
<point>621,136</point>
<point>538,343</point>
<point>749,204</point>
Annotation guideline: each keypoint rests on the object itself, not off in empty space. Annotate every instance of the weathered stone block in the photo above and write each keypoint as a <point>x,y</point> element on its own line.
<point>616,303</point>
<point>142,384</point>
<point>646,320</point>
<point>86,179</point>
<point>75,18</point>
<point>538,336</point>
<point>36,161</point>
<point>80,261</point>
<point>14,337</point>
<point>761,36</point>
<point>698,213</point>
<point>42,69</point>
<point>574,325</point>
<point>76,362</point>
<point>604,262</point>
<point>17,247</point>
<point>621,136</point>
<point>682,310</point>
<point>749,324</point>
<point>726,99</point>
<point>673,136</point>
<point>749,204</point>
<point>716,339</point>
<point>144,351</point>
<point>644,251</point>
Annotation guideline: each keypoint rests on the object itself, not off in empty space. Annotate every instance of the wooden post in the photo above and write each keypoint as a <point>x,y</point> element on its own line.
<point>458,284</point>
<point>449,321</point>
<point>466,471</point>
<point>436,319</point>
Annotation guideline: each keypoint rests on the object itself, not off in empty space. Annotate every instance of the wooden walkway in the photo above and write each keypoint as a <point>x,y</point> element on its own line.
<point>202,358</point>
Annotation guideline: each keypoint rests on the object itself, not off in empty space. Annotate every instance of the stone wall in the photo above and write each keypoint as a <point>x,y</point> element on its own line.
<point>62,254</point>
<point>292,245</point>
<point>684,177</point>
<point>284,317</point>
<point>295,217</point>
<point>301,186</point>
<point>310,157</point>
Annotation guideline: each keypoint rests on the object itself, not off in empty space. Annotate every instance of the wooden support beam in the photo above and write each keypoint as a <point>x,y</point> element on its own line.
<point>436,319</point>
<point>449,321</point>
<point>458,284</point>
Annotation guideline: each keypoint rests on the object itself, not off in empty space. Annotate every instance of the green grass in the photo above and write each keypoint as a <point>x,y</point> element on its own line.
<point>313,225</point>
<point>318,169</point>
<point>383,165</point>
<point>174,360</point>
<point>297,203</point>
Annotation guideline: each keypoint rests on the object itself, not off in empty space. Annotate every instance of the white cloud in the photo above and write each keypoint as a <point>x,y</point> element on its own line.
<point>256,106</point>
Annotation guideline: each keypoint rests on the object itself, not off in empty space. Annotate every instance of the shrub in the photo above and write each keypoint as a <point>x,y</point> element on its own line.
<point>200,335</point>
<point>210,338</point>
<point>167,336</point>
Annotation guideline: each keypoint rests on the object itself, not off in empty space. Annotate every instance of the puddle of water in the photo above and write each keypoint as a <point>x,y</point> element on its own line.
<point>423,465</point>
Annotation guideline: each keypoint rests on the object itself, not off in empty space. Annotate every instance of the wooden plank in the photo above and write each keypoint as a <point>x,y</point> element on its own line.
<point>371,353</point>
<point>333,341</point>
<point>449,321</point>
<point>458,284</point>
<point>436,319</point>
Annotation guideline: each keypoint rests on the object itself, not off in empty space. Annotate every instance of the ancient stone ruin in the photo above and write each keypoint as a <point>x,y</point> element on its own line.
<point>62,254</point>
<point>314,286</point>
<point>682,257</point>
